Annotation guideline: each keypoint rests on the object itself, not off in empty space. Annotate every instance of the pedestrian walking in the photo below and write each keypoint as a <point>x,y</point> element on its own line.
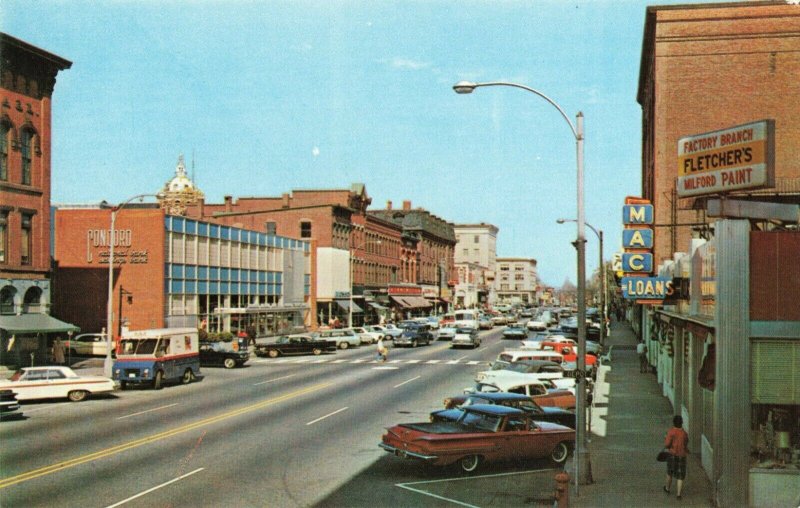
<point>383,353</point>
<point>677,444</point>
<point>641,350</point>
<point>58,351</point>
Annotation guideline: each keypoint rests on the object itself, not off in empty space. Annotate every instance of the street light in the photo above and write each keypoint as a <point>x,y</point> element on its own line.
<point>583,467</point>
<point>352,275</point>
<point>602,269</point>
<point>108,363</point>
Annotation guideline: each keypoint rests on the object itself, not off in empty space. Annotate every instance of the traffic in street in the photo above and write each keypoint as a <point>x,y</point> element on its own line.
<point>286,431</point>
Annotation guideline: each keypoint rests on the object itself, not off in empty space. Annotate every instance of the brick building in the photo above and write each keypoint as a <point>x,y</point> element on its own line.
<point>27,79</point>
<point>726,353</point>
<point>706,67</point>
<point>355,251</point>
<point>177,272</point>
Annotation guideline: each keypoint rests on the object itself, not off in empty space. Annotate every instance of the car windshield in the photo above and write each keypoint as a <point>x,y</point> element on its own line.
<point>480,421</point>
<point>498,365</point>
<point>519,367</point>
<point>17,375</point>
<point>283,340</point>
<point>138,346</point>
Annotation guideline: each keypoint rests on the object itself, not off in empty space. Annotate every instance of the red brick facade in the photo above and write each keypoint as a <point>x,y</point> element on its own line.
<point>27,78</point>
<point>80,293</point>
<point>707,67</point>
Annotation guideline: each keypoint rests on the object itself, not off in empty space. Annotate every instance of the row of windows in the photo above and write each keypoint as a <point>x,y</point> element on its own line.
<point>214,273</point>
<point>216,231</point>
<point>25,146</point>
<point>26,238</point>
<point>192,249</point>
<point>191,287</point>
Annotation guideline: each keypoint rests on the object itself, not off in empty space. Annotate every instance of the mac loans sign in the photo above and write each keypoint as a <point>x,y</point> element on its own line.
<point>741,157</point>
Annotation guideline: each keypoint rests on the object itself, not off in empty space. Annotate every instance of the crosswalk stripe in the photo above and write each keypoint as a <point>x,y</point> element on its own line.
<point>433,361</point>
<point>473,362</point>
<point>413,361</point>
<point>317,361</point>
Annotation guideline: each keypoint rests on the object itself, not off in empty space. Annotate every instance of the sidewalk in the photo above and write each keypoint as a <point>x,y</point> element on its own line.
<point>629,420</point>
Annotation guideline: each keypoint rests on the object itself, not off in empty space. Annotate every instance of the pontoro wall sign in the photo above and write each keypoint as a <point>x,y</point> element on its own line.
<point>740,157</point>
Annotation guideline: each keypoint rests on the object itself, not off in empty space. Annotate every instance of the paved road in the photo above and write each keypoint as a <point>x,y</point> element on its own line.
<point>280,432</point>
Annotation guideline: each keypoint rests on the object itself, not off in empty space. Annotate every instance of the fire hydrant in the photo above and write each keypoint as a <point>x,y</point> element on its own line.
<point>562,490</point>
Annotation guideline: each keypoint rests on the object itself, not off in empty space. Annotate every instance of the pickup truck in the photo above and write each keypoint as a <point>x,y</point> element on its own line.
<point>483,433</point>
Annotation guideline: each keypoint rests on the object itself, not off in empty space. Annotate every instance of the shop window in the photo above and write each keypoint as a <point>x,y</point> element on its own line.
<point>775,396</point>
<point>7,300</point>
<point>26,239</point>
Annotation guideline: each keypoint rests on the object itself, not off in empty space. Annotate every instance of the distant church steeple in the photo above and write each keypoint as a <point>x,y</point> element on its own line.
<point>179,192</point>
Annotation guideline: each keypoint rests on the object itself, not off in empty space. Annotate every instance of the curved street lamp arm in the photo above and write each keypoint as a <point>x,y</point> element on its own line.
<point>537,92</point>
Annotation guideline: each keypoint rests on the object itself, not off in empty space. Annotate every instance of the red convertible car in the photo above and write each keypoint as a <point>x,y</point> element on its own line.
<point>484,432</point>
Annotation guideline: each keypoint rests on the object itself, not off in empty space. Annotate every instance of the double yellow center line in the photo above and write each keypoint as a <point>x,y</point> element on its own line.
<point>44,471</point>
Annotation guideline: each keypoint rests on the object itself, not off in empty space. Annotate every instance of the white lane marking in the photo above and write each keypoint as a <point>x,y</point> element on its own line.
<point>462,358</point>
<point>402,486</point>
<point>271,380</point>
<point>147,411</point>
<point>404,382</point>
<point>327,415</point>
<point>473,362</point>
<point>385,368</point>
<point>303,360</point>
<point>432,361</point>
<point>338,361</point>
<point>413,361</point>
<point>155,488</point>
<point>361,360</point>
<point>320,361</point>
<point>395,361</point>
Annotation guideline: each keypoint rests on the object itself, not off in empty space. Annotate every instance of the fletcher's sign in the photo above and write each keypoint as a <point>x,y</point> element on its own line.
<point>740,157</point>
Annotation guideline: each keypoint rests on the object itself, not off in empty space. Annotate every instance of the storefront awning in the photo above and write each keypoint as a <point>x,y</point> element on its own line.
<point>345,304</point>
<point>376,305</point>
<point>412,302</point>
<point>35,323</point>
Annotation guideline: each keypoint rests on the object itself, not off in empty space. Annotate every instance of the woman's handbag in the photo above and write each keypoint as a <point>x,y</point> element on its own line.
<point>663,455</point>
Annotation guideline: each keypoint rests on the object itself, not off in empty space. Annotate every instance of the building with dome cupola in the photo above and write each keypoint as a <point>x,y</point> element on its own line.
<point>179,192</point>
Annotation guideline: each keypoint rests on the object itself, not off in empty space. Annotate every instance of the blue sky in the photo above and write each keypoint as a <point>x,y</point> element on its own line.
<point>271,96</point>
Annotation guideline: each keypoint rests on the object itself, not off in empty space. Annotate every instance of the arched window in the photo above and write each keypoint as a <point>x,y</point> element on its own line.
<point>33,300</point>
<point>5,143</point>
<point>7,300</point>
<point>26,151</point>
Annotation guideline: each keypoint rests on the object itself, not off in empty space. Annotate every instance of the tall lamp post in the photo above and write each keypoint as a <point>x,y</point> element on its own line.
<point>352,275</point>
<point>602,269</point>
<point>583,467</point>
<point>108,363</point>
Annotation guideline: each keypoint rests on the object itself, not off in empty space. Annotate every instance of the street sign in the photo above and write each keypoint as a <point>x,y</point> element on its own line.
<point>646,288</point>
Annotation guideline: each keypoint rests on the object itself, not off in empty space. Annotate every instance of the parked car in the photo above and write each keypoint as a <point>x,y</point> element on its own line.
<point>542,395</point>
<point>528,404</point>
<point>415,335</point>
<point>483,433</point>
<point>295,345</point>
<point>365,335</point>
<point>87,344</point>
<point>446,333</point>
<point>54,382</point>
<point>466,337</point>
<point>227,354</point>
<point>433,322</point>
<point>377,331</point>
<point>343,338</point>
<point>391,331</point>
<point>528,366</point>
<point>9,406</point>
<point>515,332</point>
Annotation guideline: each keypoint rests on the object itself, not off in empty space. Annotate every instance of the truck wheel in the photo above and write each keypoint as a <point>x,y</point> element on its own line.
<point>316,351</point>
<point>188,377</point>
<point>158,382</point>
<point>343,345</point>
<point>77,395</point>
<point>469,463</point>
<point>560,453</point>
<point>229,363</point>
<point>273,353</point>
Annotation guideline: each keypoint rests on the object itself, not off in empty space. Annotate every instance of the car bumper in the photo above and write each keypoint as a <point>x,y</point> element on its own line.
<point>407,454</point>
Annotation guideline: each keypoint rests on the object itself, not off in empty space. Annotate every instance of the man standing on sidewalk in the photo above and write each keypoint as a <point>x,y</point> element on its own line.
<point>641,350</point>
